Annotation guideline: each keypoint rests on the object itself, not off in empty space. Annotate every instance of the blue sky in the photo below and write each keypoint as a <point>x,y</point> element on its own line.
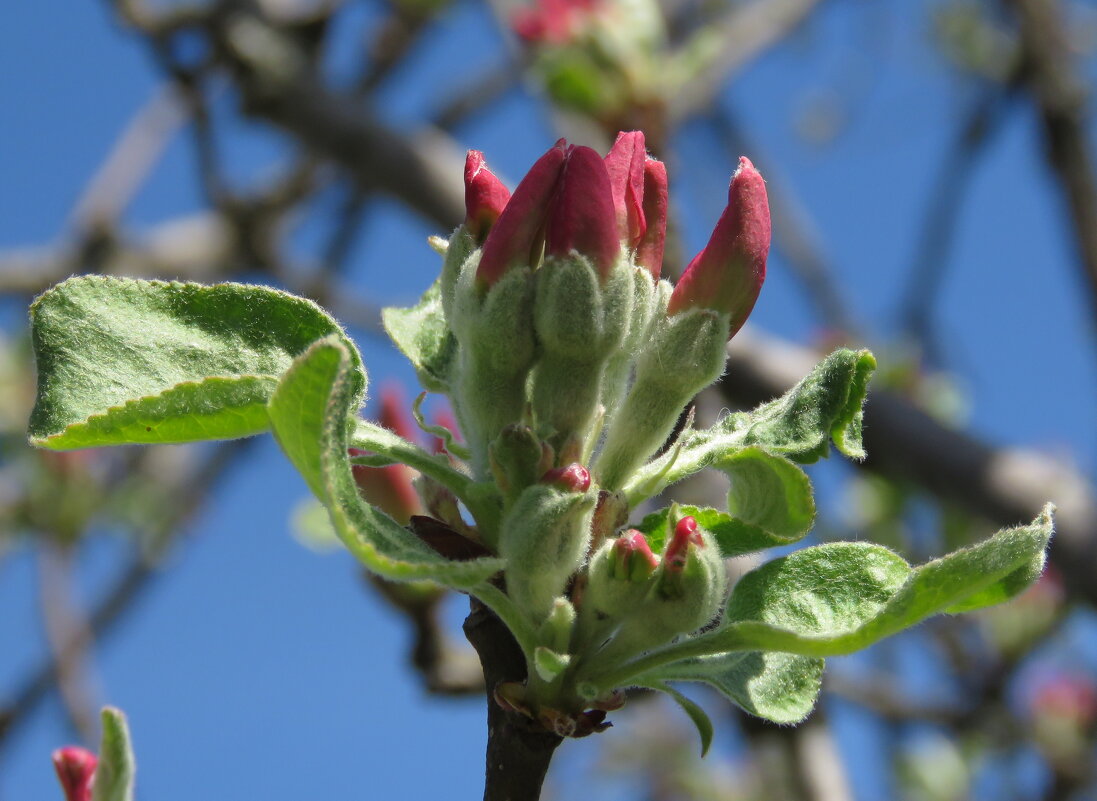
<point>254,668</point>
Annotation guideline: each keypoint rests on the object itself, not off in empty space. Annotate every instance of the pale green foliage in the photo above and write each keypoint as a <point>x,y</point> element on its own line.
<point>123,361</point>
<point>311,412</point>
<point>115,772</point>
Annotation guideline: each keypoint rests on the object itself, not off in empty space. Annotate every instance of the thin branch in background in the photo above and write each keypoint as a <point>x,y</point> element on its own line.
<point>957,170</point>
<point>745,31</point>
<point>1061,96</point>
<point>69,637</point>
<point>132,157</point>
<point>795,234</point>
<point>479,93</point>
<point>130,585</point>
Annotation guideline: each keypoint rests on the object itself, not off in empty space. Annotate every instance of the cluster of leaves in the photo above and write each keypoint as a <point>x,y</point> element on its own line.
<point>125,361</point>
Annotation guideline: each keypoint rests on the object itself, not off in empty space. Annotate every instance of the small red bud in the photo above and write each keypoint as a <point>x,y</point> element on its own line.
<point>632,557</point>
<point>75,768</point>
<point>686,533</point>
<point>727,275</point>
<point>573,478</point>
<point>625,165</point>
<point>649,250</point>
<point>582,218</point>
<point>517,235</point>
<point>394,415</point>
<point>485,196</point>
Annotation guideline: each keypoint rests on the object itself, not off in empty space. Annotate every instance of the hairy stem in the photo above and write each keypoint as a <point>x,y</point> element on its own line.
<point>519,749</point>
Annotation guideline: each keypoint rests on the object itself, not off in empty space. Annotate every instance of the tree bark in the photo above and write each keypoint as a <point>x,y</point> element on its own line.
<point>519,749</point>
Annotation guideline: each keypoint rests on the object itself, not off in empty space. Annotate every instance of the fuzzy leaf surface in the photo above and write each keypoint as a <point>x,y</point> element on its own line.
<point>778,687</point>
<point>839,598</point>
<point>114,775</point>
<point>421,334</point>
<point>311,413</point>
<point>128,361</point>
<point>825,407</point>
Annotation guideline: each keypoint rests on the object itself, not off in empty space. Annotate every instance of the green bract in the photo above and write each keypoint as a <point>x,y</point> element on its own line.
<point>530,376</point>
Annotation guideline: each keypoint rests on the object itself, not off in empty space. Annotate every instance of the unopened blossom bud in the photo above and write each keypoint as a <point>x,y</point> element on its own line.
<point>75,768</point>
<point>727,275</point>
<point>544,540</point>
<point>573,478</point>
<point>390,488</point>
<point>625,165</point>
<point>485,196</point>
<point>686,533</point>
<point>632,557</point>
<point>649,248</point>
<point>515,239</point>
<point>582,218</point>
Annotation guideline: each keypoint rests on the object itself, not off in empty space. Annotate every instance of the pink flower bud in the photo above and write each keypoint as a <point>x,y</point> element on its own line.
<point>516,237</point>
<point>649,249</point>
<point>390,488</point>
<point>573,478</point>
<point>625,165</point>
<point>727,275</point>
<point>485,196</point>
<point>677,552</point>
<point>394,415</point>
<point>551,21</point>
<point>582,218</point>
<point>632,557</point>
<point>75,768</point>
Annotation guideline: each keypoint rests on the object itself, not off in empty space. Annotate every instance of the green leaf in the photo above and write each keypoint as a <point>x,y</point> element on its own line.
<point>842,597</point>
<point>126,361</point>
<point>839,598</point>
<point>311,414</point>
<point>115,772</point>
<point>548,663</point>
<point>778,687</point>
<point>696,714</point>
<point>770,504</point>
<point>421,334</point>
<point>825,406</point>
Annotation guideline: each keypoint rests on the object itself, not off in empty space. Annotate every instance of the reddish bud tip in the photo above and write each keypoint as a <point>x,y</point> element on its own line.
<point>632,557</point>
<point>582,218</point>
<point>516,237</point>
<point>573,478</point>
<point>551,21</point>
<point>727,275</point>
<point>625,165</point>
<point>485,196</point>
<point>75,768</point>
<point>394,414</point>
<point>686,533</point>
<point>649,249</point>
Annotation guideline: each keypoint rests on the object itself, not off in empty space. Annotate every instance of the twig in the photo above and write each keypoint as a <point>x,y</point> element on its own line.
<point>131,158</point>
<point>69,638</point>
<point>1061,96</point>
<point>957,169</point>
<point>125,591</point>
<point>745,32</point>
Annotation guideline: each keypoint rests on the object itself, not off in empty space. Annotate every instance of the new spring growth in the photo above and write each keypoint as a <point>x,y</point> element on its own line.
<point>709,304</point>
<point>75,768</point>
<point>390,487</point>
<point>485,196</point>
<point>728,274</point>
<point>632,557</point>
<point>686,533</point>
